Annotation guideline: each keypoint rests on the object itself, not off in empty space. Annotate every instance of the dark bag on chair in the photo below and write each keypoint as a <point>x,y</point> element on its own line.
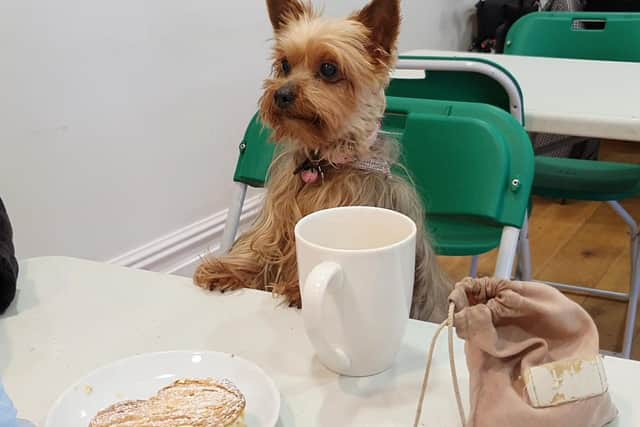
<point>493,20</point>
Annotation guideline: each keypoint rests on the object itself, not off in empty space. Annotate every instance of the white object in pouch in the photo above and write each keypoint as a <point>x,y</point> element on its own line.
<point>565,381</point>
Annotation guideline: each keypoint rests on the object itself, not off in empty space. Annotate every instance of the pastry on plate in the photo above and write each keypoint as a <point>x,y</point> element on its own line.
<point>185,403</point>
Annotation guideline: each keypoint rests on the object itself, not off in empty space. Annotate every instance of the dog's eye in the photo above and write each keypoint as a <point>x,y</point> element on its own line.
<point>329,71</point>
<point>286,67</point>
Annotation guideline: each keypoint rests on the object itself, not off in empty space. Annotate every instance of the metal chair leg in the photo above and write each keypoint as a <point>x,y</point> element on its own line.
<point>632,310</point>
<point>634,291</point>
<point>633,228</point>
<point>233,217</point>
<point>507,252</point>
<point>524,251</point>
<point>475,260</point>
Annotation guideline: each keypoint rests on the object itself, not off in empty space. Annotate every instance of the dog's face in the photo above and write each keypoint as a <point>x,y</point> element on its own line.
<point>328,79</point>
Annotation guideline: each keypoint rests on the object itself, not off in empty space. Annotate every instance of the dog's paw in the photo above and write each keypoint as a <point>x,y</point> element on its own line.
<point>214,276</point>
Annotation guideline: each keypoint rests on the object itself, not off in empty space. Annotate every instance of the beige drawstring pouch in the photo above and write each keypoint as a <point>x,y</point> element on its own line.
<point>532,354</point>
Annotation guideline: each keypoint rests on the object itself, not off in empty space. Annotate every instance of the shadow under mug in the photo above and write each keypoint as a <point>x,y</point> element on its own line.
<point>356,272</point>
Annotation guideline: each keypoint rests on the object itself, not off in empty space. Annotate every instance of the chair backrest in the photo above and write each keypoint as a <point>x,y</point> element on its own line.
<point>467,159</point>
<point>578,35</point>
<point>452,86</point>
<point>465,79</point>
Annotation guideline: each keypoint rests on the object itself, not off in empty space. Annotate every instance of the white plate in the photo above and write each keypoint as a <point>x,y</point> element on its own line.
<point>140,377</point>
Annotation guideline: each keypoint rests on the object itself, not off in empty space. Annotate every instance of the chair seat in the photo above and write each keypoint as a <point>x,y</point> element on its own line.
<point>585,179</point>
<point>463,237</point>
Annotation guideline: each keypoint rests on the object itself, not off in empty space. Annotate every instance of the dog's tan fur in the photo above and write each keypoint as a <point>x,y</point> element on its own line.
<point>334,119</point>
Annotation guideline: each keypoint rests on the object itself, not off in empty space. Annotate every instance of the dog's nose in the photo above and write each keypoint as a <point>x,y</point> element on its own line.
<point>285,96</point>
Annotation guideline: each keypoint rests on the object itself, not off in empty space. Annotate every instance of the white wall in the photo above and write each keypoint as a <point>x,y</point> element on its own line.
<point>119,119</point>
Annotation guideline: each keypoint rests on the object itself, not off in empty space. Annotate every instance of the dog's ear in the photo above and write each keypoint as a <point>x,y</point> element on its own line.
<point>382,18</point>
<point>283,11</point>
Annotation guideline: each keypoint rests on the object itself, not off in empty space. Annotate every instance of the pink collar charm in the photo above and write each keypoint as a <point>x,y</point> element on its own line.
<point>310,170</point>
<point>309,176</point>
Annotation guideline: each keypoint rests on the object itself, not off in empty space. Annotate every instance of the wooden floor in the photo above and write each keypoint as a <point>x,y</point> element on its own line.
<point>582,243</point>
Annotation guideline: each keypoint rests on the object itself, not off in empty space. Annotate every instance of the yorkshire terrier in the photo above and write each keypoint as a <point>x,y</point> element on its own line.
<point>324,103</point>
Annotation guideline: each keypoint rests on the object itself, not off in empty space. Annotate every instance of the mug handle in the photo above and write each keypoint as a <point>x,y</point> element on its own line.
<point>315,287</point>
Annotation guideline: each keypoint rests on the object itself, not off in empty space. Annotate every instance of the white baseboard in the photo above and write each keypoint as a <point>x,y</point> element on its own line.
<point>180,251</point>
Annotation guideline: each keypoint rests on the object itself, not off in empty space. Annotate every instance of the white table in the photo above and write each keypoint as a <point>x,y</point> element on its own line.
<point>72,316</point>
<point>599,99</point>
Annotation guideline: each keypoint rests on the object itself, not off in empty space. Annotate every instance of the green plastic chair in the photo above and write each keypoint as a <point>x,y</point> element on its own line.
<point>491,179</point>
<point>472,164</point>
<point>593,36</point>
<point>471,80</point>
<point>576,35</point>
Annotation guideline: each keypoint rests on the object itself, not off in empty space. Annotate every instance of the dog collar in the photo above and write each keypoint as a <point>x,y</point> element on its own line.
<point>313,169</point>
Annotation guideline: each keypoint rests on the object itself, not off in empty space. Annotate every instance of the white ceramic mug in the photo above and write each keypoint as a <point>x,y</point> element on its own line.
<point>356,269</point>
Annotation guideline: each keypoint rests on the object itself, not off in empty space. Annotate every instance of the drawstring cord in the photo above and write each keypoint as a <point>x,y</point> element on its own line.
<point>452,364</point>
